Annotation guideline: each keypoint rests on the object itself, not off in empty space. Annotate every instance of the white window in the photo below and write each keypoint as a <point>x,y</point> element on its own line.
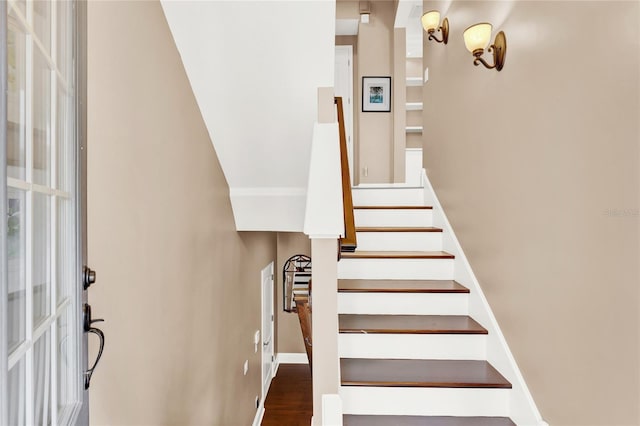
<point>43,299</point>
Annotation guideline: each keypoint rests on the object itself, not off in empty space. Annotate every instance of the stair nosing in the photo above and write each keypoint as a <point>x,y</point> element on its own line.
<point>477,330</point>
<point>460,289</point>
<point>493,379</point>
<point>397,229</point>
<point>369,207</point>
<point>368,254</point>
<point>448,385</point>
<point>418,420</point>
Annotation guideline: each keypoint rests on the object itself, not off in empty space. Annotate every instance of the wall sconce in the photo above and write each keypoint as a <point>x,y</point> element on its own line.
<point>477,38</point>
<point>365,11</point>
<point>431,24</point>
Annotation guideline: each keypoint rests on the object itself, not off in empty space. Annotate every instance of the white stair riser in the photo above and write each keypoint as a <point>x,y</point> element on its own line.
<point>461,402</point>
<point>388,197</point>
<point>399,217</point>
<point>413,346</point>
<point>407,269</point>
<point>404,303</point>
<point>399,241</point>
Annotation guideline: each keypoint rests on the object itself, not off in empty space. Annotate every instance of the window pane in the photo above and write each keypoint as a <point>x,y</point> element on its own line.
<point>17,391</point>
<point>42,23</point>
<point>42,380</point>
<point>22,6</point>
<point>63,31</point>
<point>67,360</point>
<point>41,273</point>
<point>41,119</point>
<point>65,262</point>
<point>16,253</point>
<point>16,102</point>
<point>65,142</point>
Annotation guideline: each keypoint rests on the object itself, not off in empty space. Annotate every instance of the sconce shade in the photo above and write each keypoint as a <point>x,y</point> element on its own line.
<point>431,20</point>
<point>477,37</point>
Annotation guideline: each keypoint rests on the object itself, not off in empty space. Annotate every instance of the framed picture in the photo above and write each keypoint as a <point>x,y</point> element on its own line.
<point>376,94</point>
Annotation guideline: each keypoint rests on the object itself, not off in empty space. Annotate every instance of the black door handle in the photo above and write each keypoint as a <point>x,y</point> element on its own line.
<point>88,328</point>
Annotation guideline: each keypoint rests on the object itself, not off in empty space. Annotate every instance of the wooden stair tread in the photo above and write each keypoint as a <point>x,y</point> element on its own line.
<point>397,229</point>
<point>420,373</point>
<point>400,286</point>
<point>360,420</point>
<point>393,207</point>
<point>398,255</point>
<point>409,324</point>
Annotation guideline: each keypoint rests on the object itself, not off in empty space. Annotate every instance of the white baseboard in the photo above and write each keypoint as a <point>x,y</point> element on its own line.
<point>257,420</point>
<point>291,358</point>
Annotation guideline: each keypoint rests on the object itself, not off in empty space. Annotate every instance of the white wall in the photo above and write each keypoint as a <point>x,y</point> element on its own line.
<point>255,67</point>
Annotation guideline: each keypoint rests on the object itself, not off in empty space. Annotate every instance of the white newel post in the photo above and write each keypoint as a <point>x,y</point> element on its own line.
<point>324,224</point>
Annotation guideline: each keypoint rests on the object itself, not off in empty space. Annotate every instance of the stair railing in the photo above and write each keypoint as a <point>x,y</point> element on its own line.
<point>348,242</point>
<point>325,225</point>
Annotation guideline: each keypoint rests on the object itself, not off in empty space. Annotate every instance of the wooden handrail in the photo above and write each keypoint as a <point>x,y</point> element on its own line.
<point>348,243</point>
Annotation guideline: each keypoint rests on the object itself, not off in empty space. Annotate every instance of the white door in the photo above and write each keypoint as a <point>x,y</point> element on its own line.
<point>343,87</point>
<point>268,356</point>
<point>41,293</point>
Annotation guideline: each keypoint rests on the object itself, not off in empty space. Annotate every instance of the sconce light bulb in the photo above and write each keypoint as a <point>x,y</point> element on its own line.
<point>431,21</point>
<point>477,37</point>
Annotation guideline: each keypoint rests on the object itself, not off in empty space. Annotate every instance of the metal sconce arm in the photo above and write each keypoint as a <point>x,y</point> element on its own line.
<point>499,50</point>
<point>444,29</point>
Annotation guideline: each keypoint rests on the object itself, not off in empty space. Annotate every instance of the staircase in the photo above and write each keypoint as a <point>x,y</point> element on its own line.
<point>410,353</point>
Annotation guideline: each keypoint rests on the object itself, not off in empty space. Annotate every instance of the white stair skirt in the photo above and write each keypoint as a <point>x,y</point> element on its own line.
<point>413,166</point>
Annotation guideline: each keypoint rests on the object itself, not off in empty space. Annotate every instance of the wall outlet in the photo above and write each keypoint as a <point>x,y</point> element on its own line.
<point>426,74</point>
<point>256,341</point>
<point>365,171</point>
<point>246,366</point>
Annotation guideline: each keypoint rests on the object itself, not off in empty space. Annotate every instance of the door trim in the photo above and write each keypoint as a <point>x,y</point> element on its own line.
<point>80,55</point>
<point>4,373</point>
<point>349,110</point>
<point>267,272</point>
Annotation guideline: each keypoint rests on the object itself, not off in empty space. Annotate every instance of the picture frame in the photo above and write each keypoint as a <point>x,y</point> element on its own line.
<point>376,94</point>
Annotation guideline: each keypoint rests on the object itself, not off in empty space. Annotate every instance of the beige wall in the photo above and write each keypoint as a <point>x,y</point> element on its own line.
<point>347,9</point>
<point>375,58</point>
<point>178,287</point>
<point>414,67</point>
<point>537,167</point>
<point>289,336</point>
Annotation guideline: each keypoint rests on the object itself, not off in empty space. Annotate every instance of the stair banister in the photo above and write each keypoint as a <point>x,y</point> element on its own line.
<point>324,224</point>
<point>348,242</point>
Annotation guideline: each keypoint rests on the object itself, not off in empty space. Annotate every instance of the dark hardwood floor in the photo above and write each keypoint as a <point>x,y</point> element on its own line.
<point>290,398</point>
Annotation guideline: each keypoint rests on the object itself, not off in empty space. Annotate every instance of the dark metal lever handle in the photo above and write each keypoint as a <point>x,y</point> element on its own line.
<point>89,372</point>
<point>87,325</point>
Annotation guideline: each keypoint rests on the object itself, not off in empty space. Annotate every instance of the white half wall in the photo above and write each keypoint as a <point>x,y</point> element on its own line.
<point>255,67</point>
<point>268,209</point>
